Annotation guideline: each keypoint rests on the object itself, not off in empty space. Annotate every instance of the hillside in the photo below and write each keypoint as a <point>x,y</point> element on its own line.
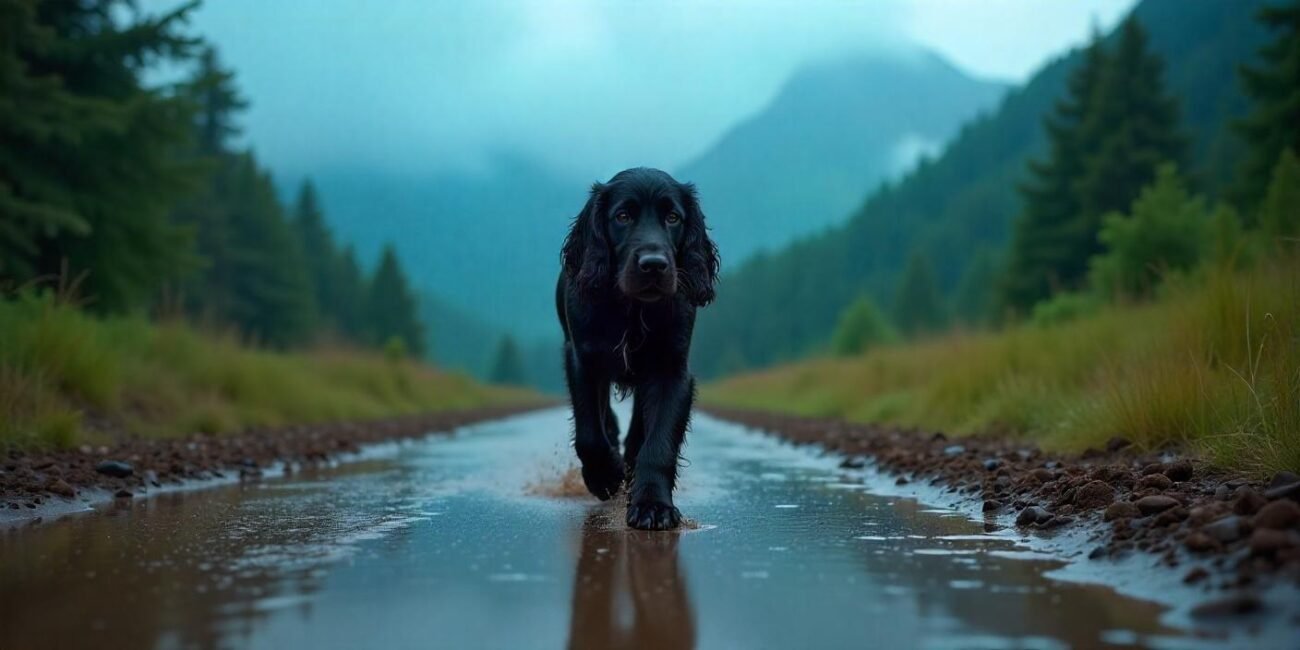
<point>784,305</point>
<point>832,133</point>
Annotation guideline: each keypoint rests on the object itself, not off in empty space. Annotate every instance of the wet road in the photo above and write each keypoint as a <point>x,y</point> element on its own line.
<point>474,541</point>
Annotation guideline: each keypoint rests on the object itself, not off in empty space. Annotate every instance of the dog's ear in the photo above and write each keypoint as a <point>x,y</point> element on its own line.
<point>699,255</point>
<point>586,252</point>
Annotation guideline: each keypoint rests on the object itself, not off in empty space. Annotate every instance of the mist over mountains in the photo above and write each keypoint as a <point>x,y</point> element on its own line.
<point>489,239</point>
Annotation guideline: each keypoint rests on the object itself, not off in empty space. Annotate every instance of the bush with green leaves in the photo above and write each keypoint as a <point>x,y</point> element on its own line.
<point>860,328</point>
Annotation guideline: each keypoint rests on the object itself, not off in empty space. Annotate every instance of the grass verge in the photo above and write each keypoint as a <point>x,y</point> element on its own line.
<point>1212,365</point>
<point>69,378</point>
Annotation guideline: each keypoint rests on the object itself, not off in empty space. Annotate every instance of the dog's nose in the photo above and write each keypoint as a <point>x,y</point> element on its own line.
<point>653,263</point>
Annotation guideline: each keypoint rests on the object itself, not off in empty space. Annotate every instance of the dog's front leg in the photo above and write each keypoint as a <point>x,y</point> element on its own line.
<point>602,467</point>
<point>663,406</point>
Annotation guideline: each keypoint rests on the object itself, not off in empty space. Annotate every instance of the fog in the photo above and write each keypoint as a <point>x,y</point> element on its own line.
<point>581,85</point>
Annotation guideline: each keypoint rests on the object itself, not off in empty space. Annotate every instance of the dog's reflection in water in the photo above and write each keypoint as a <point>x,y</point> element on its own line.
<point>628,589</point>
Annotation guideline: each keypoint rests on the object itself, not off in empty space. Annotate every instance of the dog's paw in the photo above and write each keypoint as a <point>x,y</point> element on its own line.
<point>653,515</point>
<point>605,478</point>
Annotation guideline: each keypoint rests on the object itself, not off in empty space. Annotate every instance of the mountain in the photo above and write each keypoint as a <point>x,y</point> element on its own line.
<point>833,132</point>
<point>783,305</point>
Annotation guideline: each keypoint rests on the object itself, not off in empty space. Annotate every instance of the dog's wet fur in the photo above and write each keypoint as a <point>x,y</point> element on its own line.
<point>637,263</point>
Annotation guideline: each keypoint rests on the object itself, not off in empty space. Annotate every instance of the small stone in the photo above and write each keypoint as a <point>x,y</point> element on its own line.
<point>1248,501</point>
<point>992,464</point>
<point>1278,515</point>
<point>1043,475</point>
<point>1156,503</point>
<point>1235,605</point>
<point>900,481</point>
<point>1280,488</point>
<point>115,468</point>
<point>1181,470</point>
<point>1096,494</point>
<point>853,462</point>
<point>1200,542</point>
<point>991,505</point>
<point>123,494</point>
<point>1265,541</point>
<point>1283,478</point>
<point>1031,515</point>
<point>1226,530</point>
<point>1117,443</point>
<point>1156,481</point>
<point>954,450</point>
<point>1120,509</point>
<point>1223,493</point>
<point>62,488</point>
<point>1196,575</point>
<point>1098,553</point>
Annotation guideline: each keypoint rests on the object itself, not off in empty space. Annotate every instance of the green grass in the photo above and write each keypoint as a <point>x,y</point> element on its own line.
<point>62,369</point>
<point>1212,365</point>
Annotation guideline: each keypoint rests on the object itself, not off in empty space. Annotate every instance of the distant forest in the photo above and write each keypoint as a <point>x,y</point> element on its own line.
<point>133,198</point>
<point>1014,216</point>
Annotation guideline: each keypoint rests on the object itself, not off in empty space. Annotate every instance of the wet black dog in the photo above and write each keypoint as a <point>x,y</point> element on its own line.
<point>637,263</point>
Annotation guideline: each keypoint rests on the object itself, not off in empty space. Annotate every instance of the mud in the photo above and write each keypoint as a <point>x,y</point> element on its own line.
<point>1232,537</point>
<point>441,542</point>
<point>36,485</point>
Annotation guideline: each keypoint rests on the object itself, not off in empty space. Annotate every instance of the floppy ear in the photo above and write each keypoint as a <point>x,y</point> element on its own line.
<point>586,251</point>
<point>699,255</point>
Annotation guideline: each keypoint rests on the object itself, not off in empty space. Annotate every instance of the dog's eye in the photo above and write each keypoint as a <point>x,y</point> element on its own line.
<point>673,218</point>
<point>623,217</point>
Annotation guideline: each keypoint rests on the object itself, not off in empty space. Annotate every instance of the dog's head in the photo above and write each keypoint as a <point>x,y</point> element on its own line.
<point>644,234</point>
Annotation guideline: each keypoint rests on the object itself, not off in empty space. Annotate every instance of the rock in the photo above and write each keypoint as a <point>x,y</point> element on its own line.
<point>123,494</point>
<point>900,481</point>
<point>1223,493</point>
<point>1235,605</point>
<point>60,487</point>
<point>991,505</point>
<point>1196,575</point>
<point>1248,501</point>
<point>954,450</point>
<point>1120,509</point>
<point>1181,470</point>
<point>1098,553</point>
<point>115,468</point>
<point>1043,475</point>
<point>1284,485</point>
<point>1226,530</point>
<point>1266,541</point>
<point>1200,542</point>
<point>1094,495</point>
<point>992,464</point>
<point>1031,515</point>
<point>1278,515</point>
<point>1117,443</point>
<point>151,477</point>
<point>853,462</point>
<point>1156,481</point>
<point>1156,503</point>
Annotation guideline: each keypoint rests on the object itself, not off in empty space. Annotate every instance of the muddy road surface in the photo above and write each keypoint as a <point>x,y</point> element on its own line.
<point>485,539</point>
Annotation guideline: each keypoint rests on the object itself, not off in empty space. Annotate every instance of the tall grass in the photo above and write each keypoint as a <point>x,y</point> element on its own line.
<point>62,370</point>
<point>1213,365</point>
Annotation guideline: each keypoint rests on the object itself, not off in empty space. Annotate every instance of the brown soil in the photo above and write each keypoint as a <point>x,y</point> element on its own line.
<point>131,467</point>
<point>1233,533</point>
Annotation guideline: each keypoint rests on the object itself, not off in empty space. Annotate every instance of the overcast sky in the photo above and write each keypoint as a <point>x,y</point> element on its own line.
<point>416,85</point>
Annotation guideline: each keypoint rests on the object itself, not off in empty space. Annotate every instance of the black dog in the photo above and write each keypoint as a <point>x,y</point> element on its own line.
<point>637,263</point>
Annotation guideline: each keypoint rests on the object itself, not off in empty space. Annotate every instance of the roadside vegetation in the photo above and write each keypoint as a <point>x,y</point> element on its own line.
<point>68,377</point>
<point>1131,300</point>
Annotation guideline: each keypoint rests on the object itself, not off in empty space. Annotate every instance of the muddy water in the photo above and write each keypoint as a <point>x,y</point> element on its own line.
<point>468,541</point>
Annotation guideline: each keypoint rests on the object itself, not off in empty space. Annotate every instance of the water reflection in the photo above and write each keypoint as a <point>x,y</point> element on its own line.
<point>628,589</point>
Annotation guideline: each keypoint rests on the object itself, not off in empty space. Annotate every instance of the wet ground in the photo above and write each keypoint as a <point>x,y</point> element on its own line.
<point>480,540</point>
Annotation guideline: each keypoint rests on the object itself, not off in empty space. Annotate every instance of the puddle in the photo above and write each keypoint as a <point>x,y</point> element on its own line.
<point>483,539</point>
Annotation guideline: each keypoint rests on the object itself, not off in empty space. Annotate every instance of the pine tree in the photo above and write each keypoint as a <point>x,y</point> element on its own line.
<point>860,328</point>
<point>89,169</point>
<point>974,301</point>
<point>1135,123</point>
<point>1165,231</point>
<point>323,262</point>
<point>1274,125</point>
<point>918,308</point>
<point>508,367</point>
<point>1043,235</point>
<point>391,311</point>
<point>350,296</point>
<point>1279,214</point>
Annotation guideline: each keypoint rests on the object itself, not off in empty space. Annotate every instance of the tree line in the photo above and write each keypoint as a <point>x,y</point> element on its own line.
<point>139,196</point>
<point>998,229</point>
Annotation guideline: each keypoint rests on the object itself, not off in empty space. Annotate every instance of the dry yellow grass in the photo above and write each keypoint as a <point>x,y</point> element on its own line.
<point>1213,365</point>
<point>58,364</point>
